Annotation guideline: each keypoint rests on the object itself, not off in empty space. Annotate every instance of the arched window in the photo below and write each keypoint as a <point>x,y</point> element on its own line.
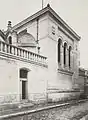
<point>65,46</point>
<point>69,56</point>
<point>59,50</point>
<point>10,40</point>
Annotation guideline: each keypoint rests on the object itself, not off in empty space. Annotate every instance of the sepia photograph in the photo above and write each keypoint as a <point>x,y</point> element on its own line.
<point>43,60</point>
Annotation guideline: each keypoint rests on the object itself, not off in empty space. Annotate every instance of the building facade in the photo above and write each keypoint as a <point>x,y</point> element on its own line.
<point>39,58</point>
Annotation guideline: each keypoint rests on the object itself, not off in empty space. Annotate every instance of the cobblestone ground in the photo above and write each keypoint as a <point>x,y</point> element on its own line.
<point>70,112</point>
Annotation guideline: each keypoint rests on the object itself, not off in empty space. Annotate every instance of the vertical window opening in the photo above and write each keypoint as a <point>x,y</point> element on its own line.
<point>65,46</point>
<point>59,50</point>
<point>70,56</point>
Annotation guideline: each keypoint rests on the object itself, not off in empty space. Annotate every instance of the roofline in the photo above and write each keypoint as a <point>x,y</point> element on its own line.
<point>2,35</point>
<point>41,12</point>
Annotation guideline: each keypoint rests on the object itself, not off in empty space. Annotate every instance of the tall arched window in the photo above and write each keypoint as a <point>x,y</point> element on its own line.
<point>69,56</point>
<point>65,47</point>
<point>59,50</point>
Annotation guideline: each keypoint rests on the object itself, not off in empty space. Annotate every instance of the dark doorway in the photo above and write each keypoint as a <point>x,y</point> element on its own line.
<point>23,89</point>
<point>24,83</point>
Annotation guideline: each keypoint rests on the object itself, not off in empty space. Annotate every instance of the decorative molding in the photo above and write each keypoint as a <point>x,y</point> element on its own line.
<point>10,56</point>
<point>62,91</point>
<point>55,16</point>
<point>66,72</point>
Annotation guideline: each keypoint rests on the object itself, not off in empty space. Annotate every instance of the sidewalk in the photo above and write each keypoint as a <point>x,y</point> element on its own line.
<point>69,111</point>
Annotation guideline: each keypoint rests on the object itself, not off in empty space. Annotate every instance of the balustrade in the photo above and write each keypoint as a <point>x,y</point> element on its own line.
<point>20,52</point>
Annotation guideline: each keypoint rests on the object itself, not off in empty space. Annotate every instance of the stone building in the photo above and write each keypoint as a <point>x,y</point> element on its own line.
<point>83,81</point>
<point>39,58</point>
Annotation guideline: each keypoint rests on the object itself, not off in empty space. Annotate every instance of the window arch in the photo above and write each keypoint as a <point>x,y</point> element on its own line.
<point>69,56</point>
<point>65,47</point>
<point>59,50</point>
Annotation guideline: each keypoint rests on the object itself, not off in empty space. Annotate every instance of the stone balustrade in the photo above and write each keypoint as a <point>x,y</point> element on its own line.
<point>22,53</point>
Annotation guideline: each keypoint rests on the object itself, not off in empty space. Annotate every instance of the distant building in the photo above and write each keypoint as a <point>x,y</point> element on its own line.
<point>38,57</point>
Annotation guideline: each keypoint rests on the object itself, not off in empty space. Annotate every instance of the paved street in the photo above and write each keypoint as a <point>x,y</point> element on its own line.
<point>63,112</point>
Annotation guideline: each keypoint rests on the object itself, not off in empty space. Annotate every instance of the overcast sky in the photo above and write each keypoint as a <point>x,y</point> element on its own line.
<point>73,12</point>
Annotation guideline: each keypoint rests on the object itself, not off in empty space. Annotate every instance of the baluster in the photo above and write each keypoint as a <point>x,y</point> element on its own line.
<point>5,47</point>
<point>20,52</point>
<point>12,50</point>
<point>30,54</point>
<point>23,53</point>
<point>8,48</point>
<point>42,59</point>
<point>0,45</point>
<point>35,57</point>
<point>45,60</point>
<point>39,59</point>
<point>15,51</point>
<point>27,54</point>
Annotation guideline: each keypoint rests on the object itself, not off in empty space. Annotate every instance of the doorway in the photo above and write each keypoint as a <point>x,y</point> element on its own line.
<point>24,83</point>
<point>23,89</point>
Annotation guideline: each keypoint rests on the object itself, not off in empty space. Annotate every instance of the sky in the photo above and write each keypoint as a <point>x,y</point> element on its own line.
<point>73,12</point>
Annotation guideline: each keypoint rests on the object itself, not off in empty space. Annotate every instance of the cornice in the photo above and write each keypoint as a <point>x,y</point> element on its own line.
<point>2,35</point>
<point>9,56</point>
<point>62,91</point>
<point>32,17</point>
<point>55,16</point>
<point>63,23</point>
<point>66,72</point>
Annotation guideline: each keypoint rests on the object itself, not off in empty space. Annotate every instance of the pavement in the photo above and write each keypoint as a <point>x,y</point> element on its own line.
<point>70,110</point>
